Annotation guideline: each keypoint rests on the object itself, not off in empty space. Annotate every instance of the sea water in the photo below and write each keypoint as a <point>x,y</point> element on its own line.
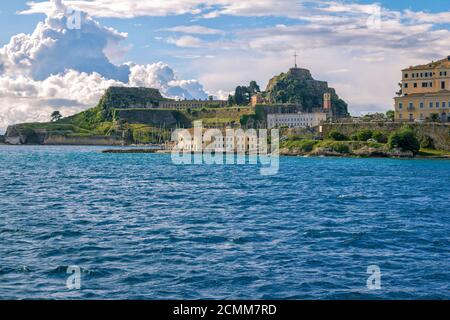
<point>139,227</point>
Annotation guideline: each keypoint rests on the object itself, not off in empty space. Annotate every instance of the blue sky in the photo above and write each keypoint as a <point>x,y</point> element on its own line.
<point>199,47</point>
<point>142,30</point>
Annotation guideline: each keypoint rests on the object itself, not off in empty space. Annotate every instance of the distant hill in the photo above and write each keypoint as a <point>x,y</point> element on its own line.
<point>129,98</point>
<point>123,114</point>
<point>299,87</point>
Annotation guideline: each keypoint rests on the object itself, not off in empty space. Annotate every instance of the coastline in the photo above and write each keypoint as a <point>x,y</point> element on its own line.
<point>304,155</point>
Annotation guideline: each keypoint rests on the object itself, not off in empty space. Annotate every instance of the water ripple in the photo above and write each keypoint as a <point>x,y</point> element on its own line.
<point>142,228</point>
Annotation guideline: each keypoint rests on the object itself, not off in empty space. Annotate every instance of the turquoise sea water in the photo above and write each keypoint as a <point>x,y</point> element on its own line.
<point>140,227</point>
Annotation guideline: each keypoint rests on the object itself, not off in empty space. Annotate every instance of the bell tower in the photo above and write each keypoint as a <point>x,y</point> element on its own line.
<point>327,106</point>
<point>327,101</point>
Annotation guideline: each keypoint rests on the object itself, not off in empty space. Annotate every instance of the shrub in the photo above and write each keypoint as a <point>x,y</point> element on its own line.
<point>404,139</point>
<point>336,146</point>
<point>307,145</point>
<point>337,136</point>
<point>434,117</point>
<point>303,145</point>
<point>427,143</point>
<point>364,135</point>
<point>295,137</point>
<point>390,115</point>
<point>380,136</point>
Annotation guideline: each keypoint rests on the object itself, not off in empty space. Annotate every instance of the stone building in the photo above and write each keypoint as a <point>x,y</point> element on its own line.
<point>296,120</point>
<point>425,93</point>
<point>216,140</point>
<point>192,104</point>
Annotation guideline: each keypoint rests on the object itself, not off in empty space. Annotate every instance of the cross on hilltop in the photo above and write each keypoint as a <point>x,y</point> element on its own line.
<point>295,57</point>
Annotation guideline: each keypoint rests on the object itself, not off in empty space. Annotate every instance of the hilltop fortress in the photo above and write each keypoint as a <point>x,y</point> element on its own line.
<point>142,115</point>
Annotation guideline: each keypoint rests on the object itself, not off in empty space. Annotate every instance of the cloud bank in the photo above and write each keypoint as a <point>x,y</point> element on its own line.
<point>65,65</point>
<point>207,8</point>
<point>340,41</point>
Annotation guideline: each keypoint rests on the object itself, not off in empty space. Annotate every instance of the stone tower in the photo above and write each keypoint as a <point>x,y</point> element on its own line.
<point>327,101</point>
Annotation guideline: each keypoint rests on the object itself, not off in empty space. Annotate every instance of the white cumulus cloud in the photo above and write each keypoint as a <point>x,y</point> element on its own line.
<point>207,8</point>
<point>68,69</point>
<point>195,29</point>
<point>186,42</point>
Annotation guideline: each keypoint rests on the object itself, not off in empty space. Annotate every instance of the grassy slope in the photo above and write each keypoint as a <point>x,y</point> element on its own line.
<point>432,152</point>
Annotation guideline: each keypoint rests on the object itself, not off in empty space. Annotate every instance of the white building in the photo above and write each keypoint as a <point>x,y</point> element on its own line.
<point>295,120</point>
<point>216,140</point>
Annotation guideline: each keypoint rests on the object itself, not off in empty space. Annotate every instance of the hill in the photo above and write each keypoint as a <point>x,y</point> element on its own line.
<point>299,87</point>
<point>123,115</point>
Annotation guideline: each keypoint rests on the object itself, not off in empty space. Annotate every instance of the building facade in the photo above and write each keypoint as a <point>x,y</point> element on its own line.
<point>192,104</point>
<point>257,99</point>
<point>295,120</point>
<point>425,93</point>
<point>221,141</point>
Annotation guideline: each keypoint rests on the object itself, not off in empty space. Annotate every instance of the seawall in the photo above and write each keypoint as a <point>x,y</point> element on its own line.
<point>83,141</point>
<point>16,135</point>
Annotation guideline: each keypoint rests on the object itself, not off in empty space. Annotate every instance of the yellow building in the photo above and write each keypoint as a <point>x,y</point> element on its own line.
<point>257,99</point>
<point>425,93</point>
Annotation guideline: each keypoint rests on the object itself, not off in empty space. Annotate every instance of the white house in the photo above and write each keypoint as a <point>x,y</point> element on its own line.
<point>295,120</point>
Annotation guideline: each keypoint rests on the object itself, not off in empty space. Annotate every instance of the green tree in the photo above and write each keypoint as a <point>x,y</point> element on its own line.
<point>241,96</point>
<point>404,139</point>
<point>281,97</point>
<point>253,88</point>
<point>337,136</point>
<point>381,137</point>
<point>390,115</point>
<point>434,117</point>
<point>56,115</point>
<point>230,100</point>
<point>364,135</point>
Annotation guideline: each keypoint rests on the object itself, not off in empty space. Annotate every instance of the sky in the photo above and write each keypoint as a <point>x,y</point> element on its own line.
<point>62,55</point>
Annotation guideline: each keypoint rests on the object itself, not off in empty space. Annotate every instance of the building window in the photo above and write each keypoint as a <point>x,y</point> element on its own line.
<point>406,75</point>
<point>431,105</point>
<point>444,104</point>
<point>406,85</point>
<point>442,85</point>
<point>415,84</point>
<point>424,84</point>
<point>411,105</point>
<point>400,105</point>
<point>437,104</point>
<point>421,105</point>
<point>400,116</point>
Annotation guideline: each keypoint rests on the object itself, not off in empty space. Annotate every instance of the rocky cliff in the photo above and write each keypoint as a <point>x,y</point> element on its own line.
<point>299,87</point>
<point>153,117</point>
<point>129,98</point>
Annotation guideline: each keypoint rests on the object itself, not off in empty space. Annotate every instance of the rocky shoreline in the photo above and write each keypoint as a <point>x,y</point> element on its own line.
<point>364,152</point>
